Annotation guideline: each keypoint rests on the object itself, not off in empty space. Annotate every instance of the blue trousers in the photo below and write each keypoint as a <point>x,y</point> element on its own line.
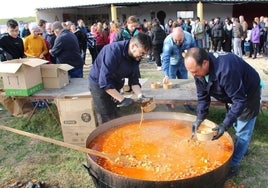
<point>199,43</point>
<point>178,71</point>
<point>243,132</point>
<point>76,73</point>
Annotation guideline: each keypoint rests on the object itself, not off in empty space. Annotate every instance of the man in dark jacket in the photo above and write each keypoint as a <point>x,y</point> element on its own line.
<point>66,50</point>
<point>82,40</point>
<point>217,34</point>
<point>115,62</point>
<point>11,45</point>
<point>231,80</point>
<point>158,36</point>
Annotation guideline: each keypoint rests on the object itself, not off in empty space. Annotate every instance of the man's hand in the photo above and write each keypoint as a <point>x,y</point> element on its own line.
<point>195,126</point>
<point>144,100</point>
<point>125,102</point>
<point>165,80</point>
<point>220,129</point>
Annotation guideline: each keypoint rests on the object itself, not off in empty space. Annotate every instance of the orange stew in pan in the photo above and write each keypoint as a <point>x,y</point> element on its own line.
<point>162,150</point>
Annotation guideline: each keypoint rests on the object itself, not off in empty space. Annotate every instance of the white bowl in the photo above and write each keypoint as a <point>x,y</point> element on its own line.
<point>204,134</point>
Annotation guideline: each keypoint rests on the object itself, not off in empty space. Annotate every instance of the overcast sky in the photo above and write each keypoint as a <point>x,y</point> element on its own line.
<point>18,8</point>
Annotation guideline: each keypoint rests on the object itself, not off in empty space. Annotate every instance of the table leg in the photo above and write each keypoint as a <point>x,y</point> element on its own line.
<point>49,109</point>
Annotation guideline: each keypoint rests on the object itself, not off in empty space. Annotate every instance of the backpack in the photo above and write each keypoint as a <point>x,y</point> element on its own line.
<point>4,56</point>
<point>91,40</point>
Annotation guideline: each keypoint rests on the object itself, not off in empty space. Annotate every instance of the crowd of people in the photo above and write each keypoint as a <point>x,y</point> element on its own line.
<point>58,43</point>
<point>229,35</point>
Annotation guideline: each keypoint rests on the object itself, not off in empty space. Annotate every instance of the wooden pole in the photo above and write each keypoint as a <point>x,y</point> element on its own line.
<point>200,11</point>
<point>113,13</point>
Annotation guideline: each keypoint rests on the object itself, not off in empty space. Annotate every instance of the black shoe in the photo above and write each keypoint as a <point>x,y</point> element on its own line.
<point>247,152</point>
<point>233,171</point>
<point>170,107</point>
<point>189,107</point>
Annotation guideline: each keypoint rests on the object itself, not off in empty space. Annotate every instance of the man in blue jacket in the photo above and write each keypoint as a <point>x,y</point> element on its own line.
<point>172,57</point>
<point>115,62</point>
<point>66,50</point>
<point>174,47</point>
<point>231,80</point>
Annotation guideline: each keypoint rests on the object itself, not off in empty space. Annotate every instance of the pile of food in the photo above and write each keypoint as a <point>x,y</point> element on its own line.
<point>26,184</point>
<point>160,150</point>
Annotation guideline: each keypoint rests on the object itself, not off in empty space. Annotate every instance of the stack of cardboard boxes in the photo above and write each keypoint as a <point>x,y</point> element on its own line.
<point>55,75</point>
<point>24,77</point>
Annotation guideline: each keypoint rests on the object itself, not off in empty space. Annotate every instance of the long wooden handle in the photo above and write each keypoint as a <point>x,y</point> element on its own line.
<point>56,142</point>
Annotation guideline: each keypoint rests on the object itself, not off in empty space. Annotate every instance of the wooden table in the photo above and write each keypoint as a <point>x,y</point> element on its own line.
<point>77,87</point>
<point>183,91</point>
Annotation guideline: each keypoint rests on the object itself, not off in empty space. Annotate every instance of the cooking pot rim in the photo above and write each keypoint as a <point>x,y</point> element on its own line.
<point>150,116</point>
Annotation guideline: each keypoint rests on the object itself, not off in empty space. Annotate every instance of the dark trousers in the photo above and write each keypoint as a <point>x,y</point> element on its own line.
<point>98,48</point>
<point>217,44</point>
<point>83,54</point>
<point>227,45</point>
<point>256,49</point>
<point>104,105</point>
<point>157,50</point>
<point>250,49</point>
<point>93,53</point>
<point>243,46</point>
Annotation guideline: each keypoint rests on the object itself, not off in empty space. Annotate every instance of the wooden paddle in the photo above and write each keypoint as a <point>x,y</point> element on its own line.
<point>124,160</point>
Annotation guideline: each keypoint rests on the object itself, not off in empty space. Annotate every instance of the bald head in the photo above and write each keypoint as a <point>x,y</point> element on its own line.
<point>178,35</point>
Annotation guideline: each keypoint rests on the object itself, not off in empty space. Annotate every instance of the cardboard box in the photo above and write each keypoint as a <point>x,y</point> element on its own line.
<point>17,106</point>
<point>22,77</point>
<point>55,75</point>
<point>77,119</point>
<point>76,135</point>
<point>76,111</point>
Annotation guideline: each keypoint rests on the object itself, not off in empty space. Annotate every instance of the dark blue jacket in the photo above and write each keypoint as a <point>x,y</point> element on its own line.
<point>66,49</point>
<point>112,65</point>
<point>231,80</point>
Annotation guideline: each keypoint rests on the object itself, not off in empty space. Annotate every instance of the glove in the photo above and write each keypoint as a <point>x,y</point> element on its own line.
<point>125,102</point>
<point>144,100</point>
<point>195,126</point>
<point>220,129</point>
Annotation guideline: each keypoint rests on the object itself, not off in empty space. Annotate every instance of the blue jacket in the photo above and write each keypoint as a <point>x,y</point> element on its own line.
<point>172,54</point>
<point>112,65</point>
<point>66,49</point>
<point>231,80</point>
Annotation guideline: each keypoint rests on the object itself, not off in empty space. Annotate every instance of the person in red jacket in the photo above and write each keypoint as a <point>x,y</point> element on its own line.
<point>101,37</point>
